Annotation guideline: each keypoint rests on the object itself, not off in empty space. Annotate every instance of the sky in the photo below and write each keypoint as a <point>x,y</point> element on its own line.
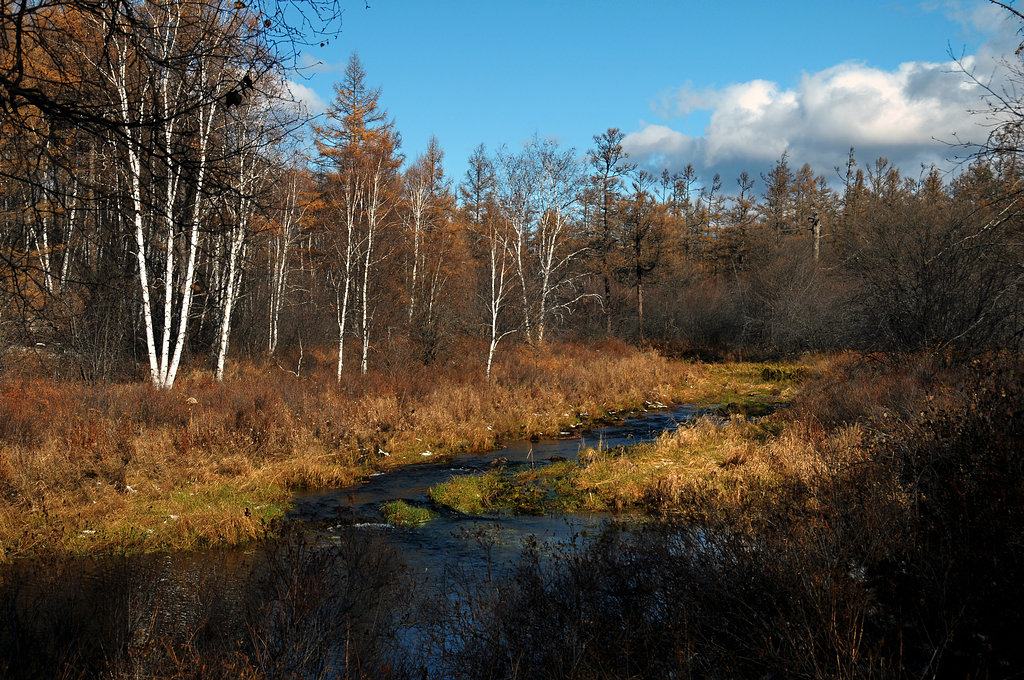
<point>725,86</point>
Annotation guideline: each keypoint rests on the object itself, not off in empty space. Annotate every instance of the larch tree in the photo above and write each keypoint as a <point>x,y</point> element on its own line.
<point>359,146</point>
<point>777,210</point>
<point>643,237</point>
<point>609,165</point>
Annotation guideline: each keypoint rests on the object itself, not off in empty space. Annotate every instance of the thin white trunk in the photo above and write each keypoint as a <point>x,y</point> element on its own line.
<point>171,190</point>
<point>415,267</point>
<point>247,178</point>
<point>206,115</point>
<point>521,271</point>
<point>367,265</point>
<point>165,338</point>
<point>237,238</point>
<point>140,253</point>
<point>498,267</point>
<point>418,208</point>
<point>69,237</point>
<point>342,316</point>
<point>279,276</point>
<point>352,202</point>
<point>134,169</point>
<point>41,246</point>
<point>373,215</point>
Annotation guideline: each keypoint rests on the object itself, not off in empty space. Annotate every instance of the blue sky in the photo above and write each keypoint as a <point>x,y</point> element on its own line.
<point>725,86</point>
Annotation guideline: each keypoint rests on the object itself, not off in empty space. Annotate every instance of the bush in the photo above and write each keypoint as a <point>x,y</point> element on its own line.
<point>903,562</point>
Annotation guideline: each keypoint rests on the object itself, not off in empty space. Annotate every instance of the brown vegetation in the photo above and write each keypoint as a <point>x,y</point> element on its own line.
<point>127,466</point>
<point>869,530</point>
<point>887,545</point>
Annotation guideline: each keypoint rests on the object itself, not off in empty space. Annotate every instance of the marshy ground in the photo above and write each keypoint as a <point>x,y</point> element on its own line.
<point>114,467</point>
<point>848,516</point>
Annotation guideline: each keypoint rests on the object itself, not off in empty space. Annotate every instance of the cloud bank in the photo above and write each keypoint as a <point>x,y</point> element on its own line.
<point>909,115</point>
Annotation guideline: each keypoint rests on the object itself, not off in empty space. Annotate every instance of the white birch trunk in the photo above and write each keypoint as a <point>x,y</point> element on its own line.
<point>498,251</point>
<point>367,266</point>
<point>418,199</point>
<point>134,171</point>
<point>206,116</point>
<point>69,237</point>
<point>237,238</point>
<point>279,270</point>
<point>352,203</point>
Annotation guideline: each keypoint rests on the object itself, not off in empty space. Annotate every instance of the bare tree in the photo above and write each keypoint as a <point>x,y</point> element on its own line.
<point>556,239</point>
<point>478,198</point>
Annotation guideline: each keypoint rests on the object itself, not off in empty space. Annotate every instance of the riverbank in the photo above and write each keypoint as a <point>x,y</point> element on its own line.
<point>870,530</point>
<point>739,443</point>
<point>124,467</point>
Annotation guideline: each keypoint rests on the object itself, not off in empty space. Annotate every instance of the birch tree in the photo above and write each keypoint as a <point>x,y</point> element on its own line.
<point>538,195</point>
<point>130,98</point>
<point>168,164</point>
<point>283,235</point>
<point>490,229</point>
<point>516,198</point>
<point>556,242</point>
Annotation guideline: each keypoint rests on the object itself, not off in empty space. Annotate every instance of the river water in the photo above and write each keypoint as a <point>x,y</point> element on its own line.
<point>454,539</point>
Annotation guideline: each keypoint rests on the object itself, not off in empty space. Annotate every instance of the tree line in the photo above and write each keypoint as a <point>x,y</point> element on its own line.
<point>157,207</point>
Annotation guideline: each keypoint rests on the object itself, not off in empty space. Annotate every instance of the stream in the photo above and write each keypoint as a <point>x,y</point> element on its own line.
<point>346,593</point>
<point>453,539</point>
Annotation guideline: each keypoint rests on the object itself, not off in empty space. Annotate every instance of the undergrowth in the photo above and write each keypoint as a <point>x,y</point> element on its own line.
<point>110,467</point>
<point>887,545</point>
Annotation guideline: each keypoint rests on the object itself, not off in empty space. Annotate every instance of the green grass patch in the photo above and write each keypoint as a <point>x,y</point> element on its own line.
<point>749,389</point>
<point>401,513</point>
<point>470,494</point>
<point>534,491</point>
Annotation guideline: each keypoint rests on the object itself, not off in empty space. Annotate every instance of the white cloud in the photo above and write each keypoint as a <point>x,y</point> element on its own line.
<point>978,17</point>
<point>909,115</point>
<point>306,96</point>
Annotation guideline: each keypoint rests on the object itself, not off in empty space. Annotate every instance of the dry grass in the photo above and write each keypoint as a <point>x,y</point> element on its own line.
<point>871,530</point>
<point>721,462</point>
<point>124,466</point>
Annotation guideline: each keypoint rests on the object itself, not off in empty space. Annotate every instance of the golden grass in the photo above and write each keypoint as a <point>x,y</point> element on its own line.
<point>106,467</point>
<point>718,461</point>
<point>715,460</point>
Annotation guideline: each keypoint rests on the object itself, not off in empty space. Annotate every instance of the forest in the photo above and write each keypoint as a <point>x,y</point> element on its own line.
<point>211,301</point>
<point>176,217</point>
